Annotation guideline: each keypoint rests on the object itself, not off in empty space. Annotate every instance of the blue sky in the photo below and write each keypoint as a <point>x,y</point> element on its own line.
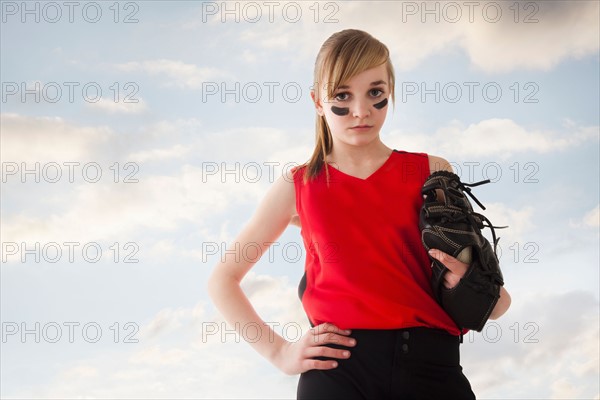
<point>172,204</point>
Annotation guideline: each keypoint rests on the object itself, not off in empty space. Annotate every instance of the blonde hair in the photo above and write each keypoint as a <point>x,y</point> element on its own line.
<point>342,56</point>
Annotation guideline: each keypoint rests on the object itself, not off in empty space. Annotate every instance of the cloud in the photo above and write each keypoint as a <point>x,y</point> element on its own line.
<point>520,222</point>
<point>38,139</point>
<point>263,290</point>
<point>178,73</point>
<point>563,389</point>
<point>205,180</point>
<point>197,144</point>
<point>497,37</point>
<point>184,352</point>
<point>119,107</point>
<point>249,57</point>
<point>458,141</point>
<point>169,320</point>
<point>272,42</point>
<point>81,372</point>
<point>545,346</point>
<point>562,29</point>
<point>176,151</point>
<point>540,349</point>
<point>592,218</point>
<point>113,211</point>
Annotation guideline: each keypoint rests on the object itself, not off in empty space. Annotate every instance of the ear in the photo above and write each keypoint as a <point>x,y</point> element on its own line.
<point>317,102</point>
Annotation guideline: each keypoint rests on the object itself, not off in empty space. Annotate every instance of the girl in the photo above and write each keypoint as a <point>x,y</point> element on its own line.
<point>376,332</point>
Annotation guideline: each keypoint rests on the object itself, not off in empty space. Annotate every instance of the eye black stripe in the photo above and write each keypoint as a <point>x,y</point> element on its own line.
<point>381,104</point>
<point>341,111</point>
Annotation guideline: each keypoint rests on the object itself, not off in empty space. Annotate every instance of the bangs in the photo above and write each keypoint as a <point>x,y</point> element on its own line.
<point>351,57</point>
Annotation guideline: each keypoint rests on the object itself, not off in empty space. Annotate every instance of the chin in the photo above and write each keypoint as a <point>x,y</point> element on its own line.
<point>361,141</point>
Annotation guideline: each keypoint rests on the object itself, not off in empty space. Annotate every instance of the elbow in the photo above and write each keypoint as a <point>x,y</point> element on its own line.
<point>503,304</point>
<point>218,285</point>
<point>508,299</point>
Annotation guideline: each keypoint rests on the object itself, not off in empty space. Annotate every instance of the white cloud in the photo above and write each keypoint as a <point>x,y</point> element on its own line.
<point>39,139</point>
<point>81,372</point>
<point>275,297</point>
<point>180,355</point>
<point>591,219</point>
<point>457,141</point>
<point>563,389</point>
<point>519,222</point>
<point>259,143</point>
<point>156,355</point>
<point>564,29</point>
<point>410,40</point>
<point>249,57</point>
<point>119,107</point>
<point>176,151</point>
<point>278,41</point>
<point>167,134</point>
<point>110,211</point>
<point>545,346</point>
<point>195,143</point>
<point>198,189</point>
<point>180,74</point>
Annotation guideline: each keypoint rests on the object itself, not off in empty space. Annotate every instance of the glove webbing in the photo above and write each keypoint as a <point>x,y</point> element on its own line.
<point>463,212</point>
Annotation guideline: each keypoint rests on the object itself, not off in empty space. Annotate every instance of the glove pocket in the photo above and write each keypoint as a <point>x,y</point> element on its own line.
<point>472,300</point>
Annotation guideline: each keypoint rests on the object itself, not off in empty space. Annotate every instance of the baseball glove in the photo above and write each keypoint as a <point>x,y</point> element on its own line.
<point>449,224</point>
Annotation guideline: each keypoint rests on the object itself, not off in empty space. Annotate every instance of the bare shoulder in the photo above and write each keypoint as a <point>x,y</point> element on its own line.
<point>280,199</point>
<point>288,178</point>
<point>273,213</point>
<point>439,164</point>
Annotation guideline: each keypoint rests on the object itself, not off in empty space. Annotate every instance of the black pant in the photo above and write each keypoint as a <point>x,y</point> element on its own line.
<point>414,363</point>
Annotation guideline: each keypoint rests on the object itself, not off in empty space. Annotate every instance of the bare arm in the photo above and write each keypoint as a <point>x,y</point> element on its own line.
<point>270,219</point>
<point>266,225</point>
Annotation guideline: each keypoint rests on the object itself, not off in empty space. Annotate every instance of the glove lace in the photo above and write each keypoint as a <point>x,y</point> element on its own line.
<point>466,188</point>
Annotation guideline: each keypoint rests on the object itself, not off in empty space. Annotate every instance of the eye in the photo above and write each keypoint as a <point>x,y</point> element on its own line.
<point>376,92</point>
<point>342,96</point>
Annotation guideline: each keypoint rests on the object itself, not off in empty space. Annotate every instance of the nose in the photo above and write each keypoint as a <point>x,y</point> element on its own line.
<point>361,109</point>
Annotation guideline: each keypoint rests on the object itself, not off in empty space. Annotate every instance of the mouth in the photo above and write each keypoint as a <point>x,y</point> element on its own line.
<point>362,126</point>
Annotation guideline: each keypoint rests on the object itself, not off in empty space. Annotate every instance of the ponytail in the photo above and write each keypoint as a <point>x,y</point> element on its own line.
<point>323,146</point>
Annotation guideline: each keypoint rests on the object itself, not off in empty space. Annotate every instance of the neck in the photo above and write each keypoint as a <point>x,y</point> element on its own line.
<point>345,154</point>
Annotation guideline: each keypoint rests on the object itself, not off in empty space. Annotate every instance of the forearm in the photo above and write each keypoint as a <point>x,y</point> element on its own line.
<point>237,310</point>
<point>502,304</point>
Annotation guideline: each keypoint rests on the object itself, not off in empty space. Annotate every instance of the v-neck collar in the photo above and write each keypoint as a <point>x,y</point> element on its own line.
<point>372,174</point>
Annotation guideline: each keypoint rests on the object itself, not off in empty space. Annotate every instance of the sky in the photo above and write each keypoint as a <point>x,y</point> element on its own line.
<point>137,139</point>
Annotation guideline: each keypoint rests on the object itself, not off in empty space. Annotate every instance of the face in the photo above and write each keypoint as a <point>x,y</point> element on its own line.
<point>358,108</point>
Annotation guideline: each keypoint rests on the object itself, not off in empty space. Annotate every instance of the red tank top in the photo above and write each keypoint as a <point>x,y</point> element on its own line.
<point>366,267</point>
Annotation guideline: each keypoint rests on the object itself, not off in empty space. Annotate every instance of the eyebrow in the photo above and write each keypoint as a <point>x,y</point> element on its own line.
<point>379,82</point>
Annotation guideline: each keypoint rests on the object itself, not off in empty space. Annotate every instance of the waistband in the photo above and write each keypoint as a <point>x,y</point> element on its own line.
<point>418,344</point>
